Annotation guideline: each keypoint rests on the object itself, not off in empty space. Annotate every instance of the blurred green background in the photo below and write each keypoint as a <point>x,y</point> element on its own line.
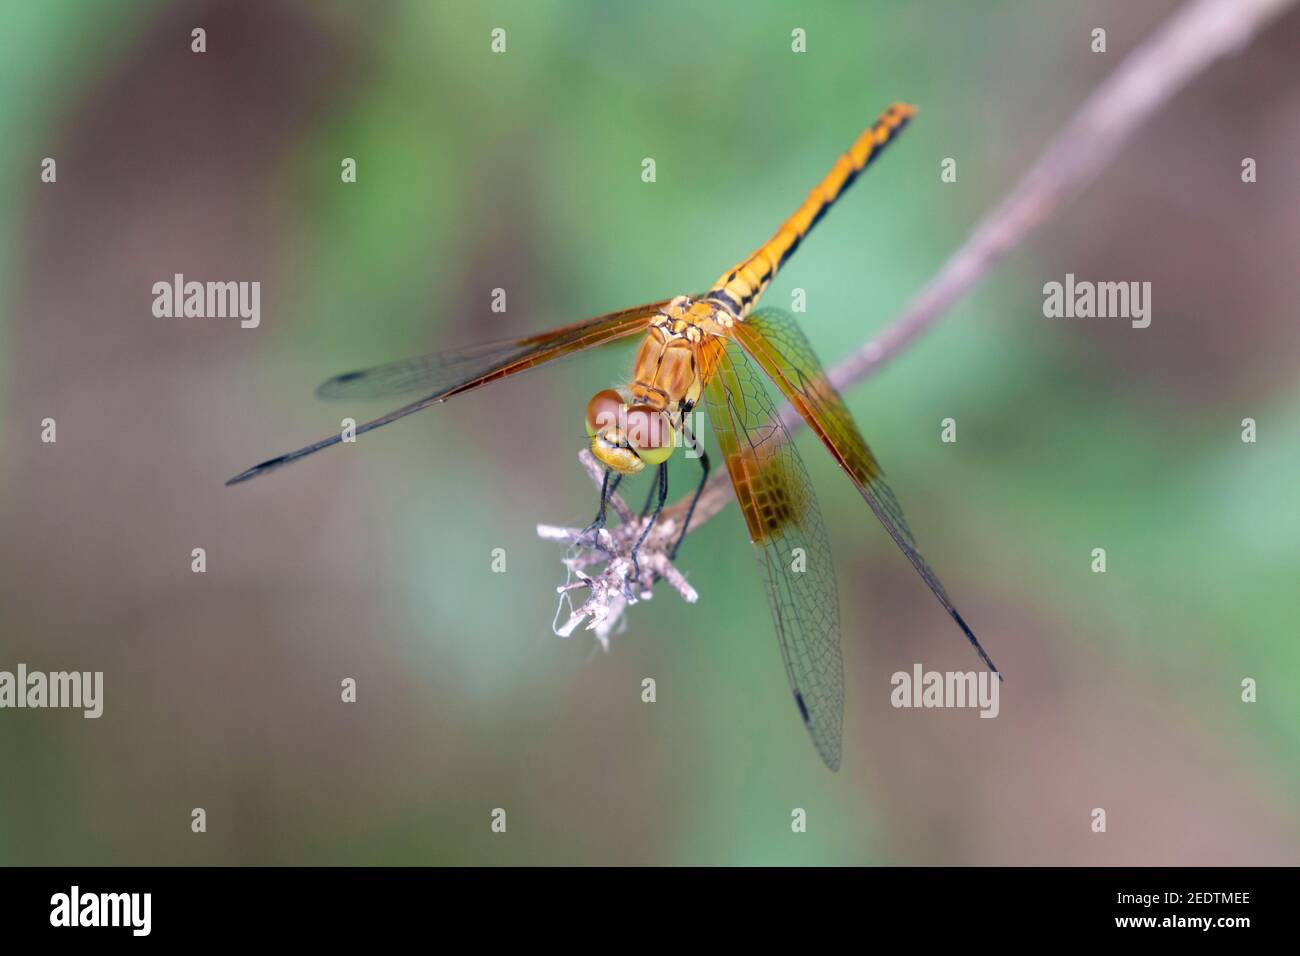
<point>523,171</point>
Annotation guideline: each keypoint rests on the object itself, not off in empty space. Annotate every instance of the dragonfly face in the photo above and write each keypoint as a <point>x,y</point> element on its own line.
<point>626,437</point>
<point>715,351</point>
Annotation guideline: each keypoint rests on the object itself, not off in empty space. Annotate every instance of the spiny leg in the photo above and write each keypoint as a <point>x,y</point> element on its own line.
<point>650,498</point>
<point>659,506</point>
<point>607,488</point>
<point>699,490</point>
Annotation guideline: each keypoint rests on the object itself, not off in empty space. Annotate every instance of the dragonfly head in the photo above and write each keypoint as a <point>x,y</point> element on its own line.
<point>627,438</point>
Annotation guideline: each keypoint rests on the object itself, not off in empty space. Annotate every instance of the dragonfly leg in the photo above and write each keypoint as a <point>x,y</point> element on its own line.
<point>650,498</point>
<point>607,488</point>
<point>662,484</point>
<point>704,477</point>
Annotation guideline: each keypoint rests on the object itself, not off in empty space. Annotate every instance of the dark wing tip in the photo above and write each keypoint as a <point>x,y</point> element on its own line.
<point>826,749</point>
<point>979,648</point>
<point>256,470</point>
<point>803,709</point>
<point>331,387</point>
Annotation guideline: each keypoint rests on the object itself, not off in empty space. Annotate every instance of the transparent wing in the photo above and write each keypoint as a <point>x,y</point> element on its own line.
<point>427,373</point>
<point>780,348</point>
<point>446,374</point>
<point>785,525</point>
<point>458,370</point>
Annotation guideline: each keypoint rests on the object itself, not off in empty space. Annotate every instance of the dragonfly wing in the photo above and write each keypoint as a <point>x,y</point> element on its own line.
<point>446,374</point>
<point>785,525</point>
<point>427,373</point>
<point>781,349</point>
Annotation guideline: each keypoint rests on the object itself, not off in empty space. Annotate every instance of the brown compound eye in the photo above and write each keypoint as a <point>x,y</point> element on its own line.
<point>604,411</point>
<point>649,432</point>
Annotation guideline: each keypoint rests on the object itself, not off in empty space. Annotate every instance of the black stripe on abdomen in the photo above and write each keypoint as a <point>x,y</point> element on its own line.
<point>724,299</point>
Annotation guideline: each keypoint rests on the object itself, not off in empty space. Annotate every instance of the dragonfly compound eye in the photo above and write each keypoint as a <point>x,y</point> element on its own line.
<point>604,411</point>
<point>650,434</point>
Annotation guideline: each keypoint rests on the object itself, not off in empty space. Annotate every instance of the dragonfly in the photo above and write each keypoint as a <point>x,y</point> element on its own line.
<point>714,350</point>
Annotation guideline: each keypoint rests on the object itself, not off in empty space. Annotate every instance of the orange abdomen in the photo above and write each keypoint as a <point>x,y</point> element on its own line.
<point>738,289</point>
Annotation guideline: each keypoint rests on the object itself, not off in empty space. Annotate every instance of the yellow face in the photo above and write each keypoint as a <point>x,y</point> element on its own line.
<point>626,439</point>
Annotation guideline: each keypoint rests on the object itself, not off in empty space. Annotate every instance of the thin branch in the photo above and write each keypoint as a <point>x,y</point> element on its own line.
<point>1198,34</point>
<point>1186,44</point>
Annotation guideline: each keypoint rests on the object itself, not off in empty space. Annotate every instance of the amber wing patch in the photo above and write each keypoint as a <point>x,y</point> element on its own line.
<point>789,536</point>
